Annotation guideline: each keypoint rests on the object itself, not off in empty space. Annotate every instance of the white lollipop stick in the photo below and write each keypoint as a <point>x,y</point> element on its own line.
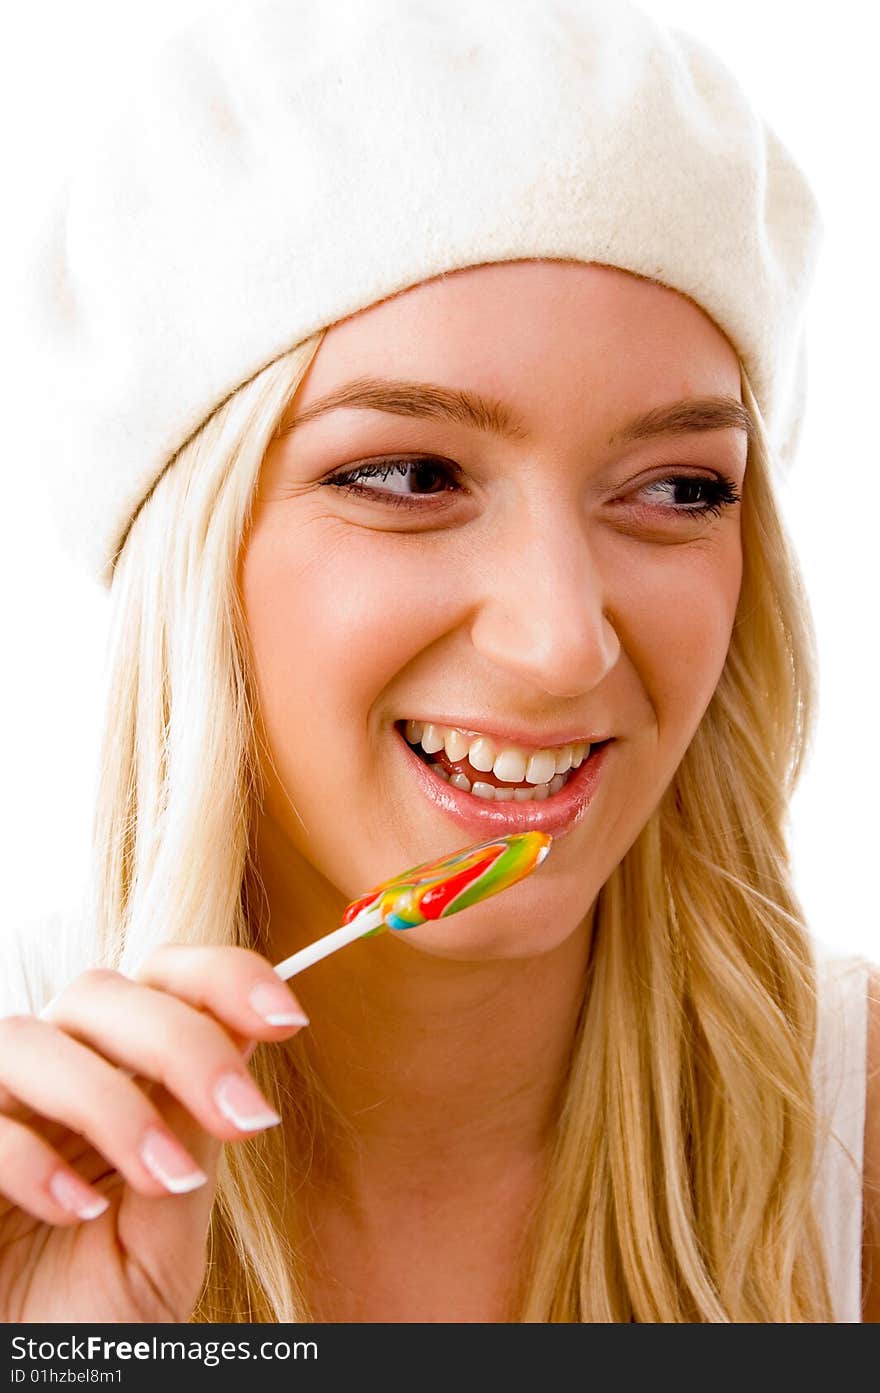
<point>322,947</point>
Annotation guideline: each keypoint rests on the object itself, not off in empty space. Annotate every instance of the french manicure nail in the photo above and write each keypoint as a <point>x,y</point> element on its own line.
<point>275,1004</point>
<point>76,1196</point>
<point>241,1101</point>
<point>168,1163</point>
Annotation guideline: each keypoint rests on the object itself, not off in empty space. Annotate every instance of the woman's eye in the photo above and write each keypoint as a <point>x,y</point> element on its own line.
<point>410,480</point>
<point>694,494</point>
<point>406,481</point>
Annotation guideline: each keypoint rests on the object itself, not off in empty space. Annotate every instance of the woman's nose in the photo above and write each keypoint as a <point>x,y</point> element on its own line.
<point>542,611</point>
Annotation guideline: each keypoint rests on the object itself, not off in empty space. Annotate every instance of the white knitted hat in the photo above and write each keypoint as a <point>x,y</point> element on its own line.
<point>284,163</point>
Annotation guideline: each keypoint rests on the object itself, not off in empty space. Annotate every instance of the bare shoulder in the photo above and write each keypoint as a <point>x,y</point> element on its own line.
<point>871,1248</point>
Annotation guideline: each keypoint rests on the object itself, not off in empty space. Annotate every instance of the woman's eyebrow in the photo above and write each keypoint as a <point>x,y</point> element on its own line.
<point>691,414</point>
<point>427,399</point>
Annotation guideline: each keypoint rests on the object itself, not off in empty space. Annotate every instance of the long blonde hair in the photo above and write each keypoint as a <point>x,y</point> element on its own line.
<point>681,1184</point>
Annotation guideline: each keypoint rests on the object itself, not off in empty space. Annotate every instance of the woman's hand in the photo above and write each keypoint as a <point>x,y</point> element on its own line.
<point>129,1245</point>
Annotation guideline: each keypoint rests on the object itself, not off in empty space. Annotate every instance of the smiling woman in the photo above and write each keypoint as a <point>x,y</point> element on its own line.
<point>459,531</point>
<point>596,492</point>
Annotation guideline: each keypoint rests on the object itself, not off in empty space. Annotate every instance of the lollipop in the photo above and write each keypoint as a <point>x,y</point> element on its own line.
<point>433,890</point>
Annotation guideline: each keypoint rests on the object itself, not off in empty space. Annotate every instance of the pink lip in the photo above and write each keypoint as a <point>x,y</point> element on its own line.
<point>529,740</point>
<point>557,814</point>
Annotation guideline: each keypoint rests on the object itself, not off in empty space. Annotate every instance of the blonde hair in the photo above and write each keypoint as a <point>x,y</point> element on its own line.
<point>681,1184</point>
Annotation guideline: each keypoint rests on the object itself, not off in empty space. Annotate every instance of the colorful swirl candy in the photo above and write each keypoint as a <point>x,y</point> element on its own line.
<point>433,890</point>
<point>439,888</point>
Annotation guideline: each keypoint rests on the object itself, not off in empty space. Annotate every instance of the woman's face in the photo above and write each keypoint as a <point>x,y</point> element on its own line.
<point>541,569</point>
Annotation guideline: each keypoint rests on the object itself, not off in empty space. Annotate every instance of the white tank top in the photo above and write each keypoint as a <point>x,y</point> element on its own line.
<point>840,1076</point>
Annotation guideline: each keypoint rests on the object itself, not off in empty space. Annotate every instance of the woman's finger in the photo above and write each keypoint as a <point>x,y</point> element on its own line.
<point>37,1180</point>
<point>161,1038</point>
<point>236,985</point>
<point>61,1079</point>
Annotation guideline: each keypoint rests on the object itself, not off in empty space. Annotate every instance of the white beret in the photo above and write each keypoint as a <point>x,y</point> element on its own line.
<point>281,164</point>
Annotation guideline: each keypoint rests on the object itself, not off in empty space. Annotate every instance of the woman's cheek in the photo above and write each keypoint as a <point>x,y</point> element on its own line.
<point>383,595</point>
<point>683,653</point>
<point>336,613</point>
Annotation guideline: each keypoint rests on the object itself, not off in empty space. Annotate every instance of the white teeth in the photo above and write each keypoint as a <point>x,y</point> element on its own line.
<point>541,768</point>
<point>510,766</point>
<point>481,790</point>
<point>563,760</point>
<point>456,744</point>
<point>481,753</point>
<point>490,793</point>
<point>508,795</point>
<point>432,739</point>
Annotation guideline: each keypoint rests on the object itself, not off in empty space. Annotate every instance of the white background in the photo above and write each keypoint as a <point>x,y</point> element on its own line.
<point>811,69</point>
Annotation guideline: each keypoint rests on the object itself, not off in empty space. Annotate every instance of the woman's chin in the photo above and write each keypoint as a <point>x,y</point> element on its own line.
<point>469,951</point>
<point>462,938</point>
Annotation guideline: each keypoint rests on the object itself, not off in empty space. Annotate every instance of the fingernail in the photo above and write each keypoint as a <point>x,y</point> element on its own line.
<point>276,1005</point>
<point>76,1196</point>
<point>243,1103</point>
<point>168,1163</point>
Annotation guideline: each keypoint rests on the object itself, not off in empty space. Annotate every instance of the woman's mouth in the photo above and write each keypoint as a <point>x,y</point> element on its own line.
<point>487,788</point>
